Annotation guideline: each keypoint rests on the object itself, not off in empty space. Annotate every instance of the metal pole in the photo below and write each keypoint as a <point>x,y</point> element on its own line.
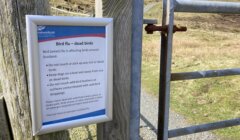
<point>165,70</point>
<point>200,6</point>
<point>136,59</point>
<point>204,74</point>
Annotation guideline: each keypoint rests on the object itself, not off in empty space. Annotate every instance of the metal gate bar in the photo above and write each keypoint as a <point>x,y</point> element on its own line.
<point>165,72</point>
<point>203,127</point>
<point>198,6</point>
<point>150,21</point>
<point>204,74</point>
<point>169,7</point>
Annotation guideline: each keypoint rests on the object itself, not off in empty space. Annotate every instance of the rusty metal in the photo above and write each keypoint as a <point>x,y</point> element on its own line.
<point>150,28</point>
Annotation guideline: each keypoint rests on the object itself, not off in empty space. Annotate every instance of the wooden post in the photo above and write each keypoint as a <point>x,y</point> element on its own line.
<point>13,73</point>
<point>128,20</point>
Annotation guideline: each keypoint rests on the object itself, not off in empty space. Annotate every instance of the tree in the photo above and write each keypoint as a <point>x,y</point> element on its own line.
<point>12,65</point>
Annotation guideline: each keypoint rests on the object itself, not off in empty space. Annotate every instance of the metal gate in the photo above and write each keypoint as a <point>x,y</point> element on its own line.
<point>167,29</point>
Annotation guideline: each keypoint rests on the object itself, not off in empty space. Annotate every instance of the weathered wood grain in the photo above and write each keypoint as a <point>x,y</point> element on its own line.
<point>123,70</point>
<point>121,11</point>
<point>5,133</point>
<point>13,73</point>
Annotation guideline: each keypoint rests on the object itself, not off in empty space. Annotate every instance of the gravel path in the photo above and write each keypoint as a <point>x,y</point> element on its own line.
<point>148,124</point>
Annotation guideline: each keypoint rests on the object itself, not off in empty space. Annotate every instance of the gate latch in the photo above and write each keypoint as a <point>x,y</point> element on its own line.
<point>150,28</point>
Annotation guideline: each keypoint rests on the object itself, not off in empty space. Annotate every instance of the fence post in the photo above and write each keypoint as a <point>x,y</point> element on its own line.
<point>13,73</point>
<point>128,20</point>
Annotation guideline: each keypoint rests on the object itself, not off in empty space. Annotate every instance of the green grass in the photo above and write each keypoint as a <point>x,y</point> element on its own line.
<point>83,133</point>
<point>149,1</point>
<point>211,42</point>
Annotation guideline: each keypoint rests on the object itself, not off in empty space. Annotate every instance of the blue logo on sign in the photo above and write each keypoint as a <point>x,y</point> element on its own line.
<point>40,28</point>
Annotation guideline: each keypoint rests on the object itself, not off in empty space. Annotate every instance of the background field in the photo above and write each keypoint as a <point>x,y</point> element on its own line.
<point>211,42</point>
<point>74,7</point>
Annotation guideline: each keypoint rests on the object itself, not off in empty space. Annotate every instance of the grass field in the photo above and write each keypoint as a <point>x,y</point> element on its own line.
<point>211,42</point>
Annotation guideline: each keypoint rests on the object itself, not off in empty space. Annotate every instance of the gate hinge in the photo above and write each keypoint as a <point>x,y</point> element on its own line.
<point>150,28</point>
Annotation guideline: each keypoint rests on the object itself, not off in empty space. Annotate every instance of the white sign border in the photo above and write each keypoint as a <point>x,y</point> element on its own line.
<point>32,21</point>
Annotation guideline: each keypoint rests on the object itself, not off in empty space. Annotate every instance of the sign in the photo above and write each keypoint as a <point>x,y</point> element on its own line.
<point>70,70</point>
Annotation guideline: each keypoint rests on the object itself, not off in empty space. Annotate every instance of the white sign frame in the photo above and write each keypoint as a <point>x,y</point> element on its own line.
<point>32,21</point>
